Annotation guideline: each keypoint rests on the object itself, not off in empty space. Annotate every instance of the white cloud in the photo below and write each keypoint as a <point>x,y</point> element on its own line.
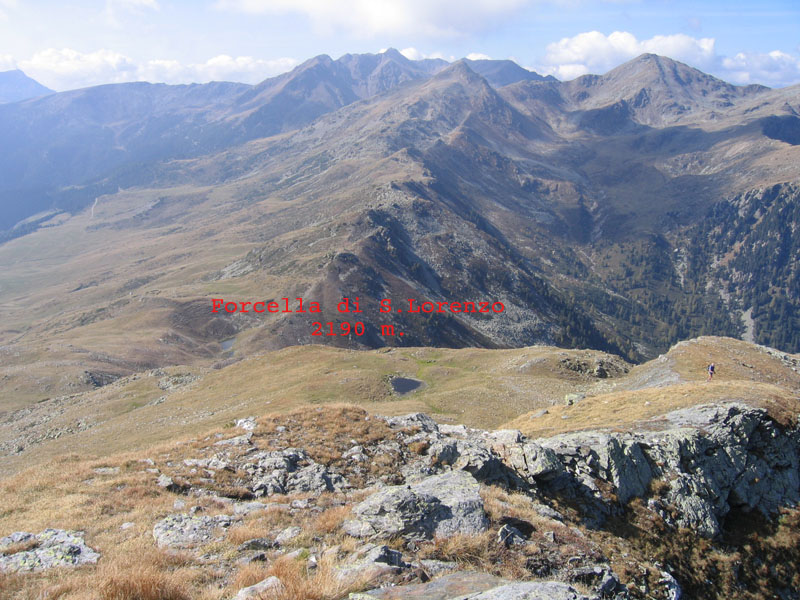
<point>414,54</point>
<point>63,69</point>
<point>410,53</point>
<point>67,68</point>
<point>774,68</point>
<point>379,17</point>
<point>478,56</point>
<point>220,68</point>
<point>595,52</point>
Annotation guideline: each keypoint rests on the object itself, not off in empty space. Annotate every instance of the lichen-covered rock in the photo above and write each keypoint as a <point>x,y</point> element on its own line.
<point>459,585</point>
<point>48,549</point>
<point>441,505</point>
<point>531,462</point>
<point>170,485</point>
<point>187,531</point>
<point>508,536</point>
<point>396,510</point>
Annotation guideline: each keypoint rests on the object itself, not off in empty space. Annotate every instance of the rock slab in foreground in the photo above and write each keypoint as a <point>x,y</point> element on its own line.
<point>474,586</point>
<point>440,506</point>
<point>51,548</point>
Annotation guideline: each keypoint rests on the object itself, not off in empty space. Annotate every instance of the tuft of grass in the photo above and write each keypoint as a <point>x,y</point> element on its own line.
<point>141,582</point>
<point>320,583</point>
<point>330,520</point>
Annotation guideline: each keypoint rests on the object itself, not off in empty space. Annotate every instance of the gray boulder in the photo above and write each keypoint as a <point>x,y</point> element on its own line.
<point>532,590</point>
<point>473,456</point>
<point>419,421</point>
<point>287,535</point>
<point>441,505</point>
<point>508,536</point>
<point>314,478</point>
<point>531,462</point>
<point>454,586</point>
<point>170,485</point>
<point>270,586</point>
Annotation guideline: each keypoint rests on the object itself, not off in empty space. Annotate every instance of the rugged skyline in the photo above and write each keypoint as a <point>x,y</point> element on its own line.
<point>176,41</point>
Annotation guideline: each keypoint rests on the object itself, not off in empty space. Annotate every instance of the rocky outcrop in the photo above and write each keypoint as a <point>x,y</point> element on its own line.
<point>23,551</point>
<point>692,466</point>
<point>705,461</point>
<point>281,472</point>
<point>712,458</point>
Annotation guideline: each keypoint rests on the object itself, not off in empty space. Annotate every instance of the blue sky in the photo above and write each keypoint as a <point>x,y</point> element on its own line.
<point>74,43</point>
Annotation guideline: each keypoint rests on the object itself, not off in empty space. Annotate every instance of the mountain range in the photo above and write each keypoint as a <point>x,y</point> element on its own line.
<point>621,212</point>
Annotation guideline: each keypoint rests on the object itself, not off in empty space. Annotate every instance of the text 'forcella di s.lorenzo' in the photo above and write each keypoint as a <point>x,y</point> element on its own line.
<point>353,305</point>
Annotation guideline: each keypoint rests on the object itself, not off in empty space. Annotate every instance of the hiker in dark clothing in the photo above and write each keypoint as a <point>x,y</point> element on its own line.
<point>710,372</point>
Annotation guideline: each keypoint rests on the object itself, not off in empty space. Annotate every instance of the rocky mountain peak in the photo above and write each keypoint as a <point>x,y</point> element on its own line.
<point>659,90</point>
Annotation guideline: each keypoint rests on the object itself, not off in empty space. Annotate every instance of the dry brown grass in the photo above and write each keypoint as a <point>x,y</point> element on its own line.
<point>633,409</point>
<point>249,575</point>
<point>321,583</point>
<point>141,582</point>
<point>329,521</point>
<point>249,530</point>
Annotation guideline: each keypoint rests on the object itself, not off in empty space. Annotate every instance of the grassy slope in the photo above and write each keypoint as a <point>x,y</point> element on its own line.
<point>481,388</point>
<point>745,373</point>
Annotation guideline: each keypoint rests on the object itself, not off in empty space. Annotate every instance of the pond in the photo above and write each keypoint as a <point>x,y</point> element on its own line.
<point>404,385</point>
<point>227,344</point>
